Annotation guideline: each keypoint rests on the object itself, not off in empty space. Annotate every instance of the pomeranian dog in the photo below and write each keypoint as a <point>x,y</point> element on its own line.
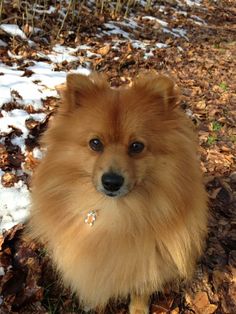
<point>118,198</point>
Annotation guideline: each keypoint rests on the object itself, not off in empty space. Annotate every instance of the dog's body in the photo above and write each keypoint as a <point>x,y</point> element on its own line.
<point>118,197</point>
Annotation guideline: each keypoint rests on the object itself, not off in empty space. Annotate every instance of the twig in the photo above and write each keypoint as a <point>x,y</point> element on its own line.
<point>129,3</point>
<point>118,7</point>
<point>63,22</point>
<point>1,7</point>
<point>44,13</point>
<point>11,18</point>
<point>148,5</point>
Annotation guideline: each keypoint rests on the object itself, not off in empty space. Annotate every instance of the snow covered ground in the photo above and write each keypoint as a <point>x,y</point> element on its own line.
<point>31,91</point>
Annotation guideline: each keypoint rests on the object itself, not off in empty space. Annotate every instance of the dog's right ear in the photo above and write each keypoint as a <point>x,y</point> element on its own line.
<point>79,86</point>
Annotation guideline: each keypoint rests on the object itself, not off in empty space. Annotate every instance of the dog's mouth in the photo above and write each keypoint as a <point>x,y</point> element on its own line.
<point>114,194</point>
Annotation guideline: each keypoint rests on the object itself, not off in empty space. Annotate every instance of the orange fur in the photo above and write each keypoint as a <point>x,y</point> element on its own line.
<point>144,239</point>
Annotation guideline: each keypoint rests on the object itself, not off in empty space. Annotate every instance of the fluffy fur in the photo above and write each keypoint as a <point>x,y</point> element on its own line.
<point>141,240</point>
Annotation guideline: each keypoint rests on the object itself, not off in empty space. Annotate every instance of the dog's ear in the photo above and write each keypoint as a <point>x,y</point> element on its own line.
<point>158,87</point>
<point>79,86</point>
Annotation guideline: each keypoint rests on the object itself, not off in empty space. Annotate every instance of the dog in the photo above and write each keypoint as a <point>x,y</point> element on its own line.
<point>118,199</point>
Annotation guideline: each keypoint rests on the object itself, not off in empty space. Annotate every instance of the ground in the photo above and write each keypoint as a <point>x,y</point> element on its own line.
<point>195,43</point>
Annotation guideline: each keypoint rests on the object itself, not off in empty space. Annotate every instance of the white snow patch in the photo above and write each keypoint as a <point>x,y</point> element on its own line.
<point>152,18</point>
<point>58,58</point>
<point>12,80</point>
<point>197,20</point>
<point>60,54</point>
<point>17,118</point>
<point>127,22</point>
<point>143,3</point>
<point>181,32</point>
<point>193,2</point>
<point>162,9</point>
<point>14,118</point>
<point>48,78</point>
<point>37,153</point>
<point>148,55</point>
<point>181,12</point>
<point>30,92</point>
<point>31,43</point>
<point>64,49</point>
<point>161,45</point>
<point>19,141</point>
<point>83,47</point>
<point>81,70</point>
<point>143,45</point>
<point>9,70</point>
<point>131,23</point>
<point>11,55</point>
<point>2,43</point>
<point>43,11</point>
<point>189,113</point>
<point>13,30</point>
<point>177,32</point>
<point>140,44</point>
<point>115,30</point>
<point>2,272</point>
<point>14,205</point>
<point>92,55</point>
<point>35,30</point>
<point>40,85</point>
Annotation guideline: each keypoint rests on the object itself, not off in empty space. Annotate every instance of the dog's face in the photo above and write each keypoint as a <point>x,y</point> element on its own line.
<point>114,135</point>
<point>120,154</point>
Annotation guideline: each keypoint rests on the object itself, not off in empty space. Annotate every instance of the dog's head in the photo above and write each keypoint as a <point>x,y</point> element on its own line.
<point>113,136</point>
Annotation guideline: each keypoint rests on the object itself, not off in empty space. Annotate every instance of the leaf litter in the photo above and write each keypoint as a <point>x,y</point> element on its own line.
<point>194,41</point>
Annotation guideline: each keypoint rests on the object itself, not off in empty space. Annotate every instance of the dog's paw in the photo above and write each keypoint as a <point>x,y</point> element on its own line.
<point>138,309</point>
<point>139,304</point>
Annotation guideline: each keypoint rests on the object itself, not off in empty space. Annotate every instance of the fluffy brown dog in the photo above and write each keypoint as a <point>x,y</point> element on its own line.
<point>118,197</point>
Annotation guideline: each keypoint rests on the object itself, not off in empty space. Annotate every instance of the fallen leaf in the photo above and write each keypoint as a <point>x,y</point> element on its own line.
<point>104,50</point>
<point>202,305</point>
<point>8,179</point>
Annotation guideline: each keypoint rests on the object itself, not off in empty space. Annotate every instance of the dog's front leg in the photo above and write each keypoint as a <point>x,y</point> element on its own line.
<point>139,304</point>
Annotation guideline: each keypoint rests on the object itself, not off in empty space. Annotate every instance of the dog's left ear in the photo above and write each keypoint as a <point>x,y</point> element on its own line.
<point>79,86</point>
<point>160,88</point>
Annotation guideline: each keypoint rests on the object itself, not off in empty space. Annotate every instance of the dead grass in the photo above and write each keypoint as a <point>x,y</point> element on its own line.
<point>31,14</point>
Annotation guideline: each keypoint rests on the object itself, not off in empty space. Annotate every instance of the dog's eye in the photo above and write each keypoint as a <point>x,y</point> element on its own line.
<point>136,148</point>
<point>96,145</point>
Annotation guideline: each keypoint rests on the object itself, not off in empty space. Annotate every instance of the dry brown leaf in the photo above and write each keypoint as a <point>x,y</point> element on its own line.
<point>201,105</point>
<point>30,162</point>
<point>214,193</point>
<point>31,124</point>
<point>104,50</point>
<point>8,179</point>
<point>201,303</point>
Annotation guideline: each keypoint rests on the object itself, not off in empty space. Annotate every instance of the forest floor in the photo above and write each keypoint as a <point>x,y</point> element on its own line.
<point>195,43</point>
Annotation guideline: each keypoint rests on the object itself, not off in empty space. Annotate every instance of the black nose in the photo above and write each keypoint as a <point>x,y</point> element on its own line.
<point>112,182</point>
